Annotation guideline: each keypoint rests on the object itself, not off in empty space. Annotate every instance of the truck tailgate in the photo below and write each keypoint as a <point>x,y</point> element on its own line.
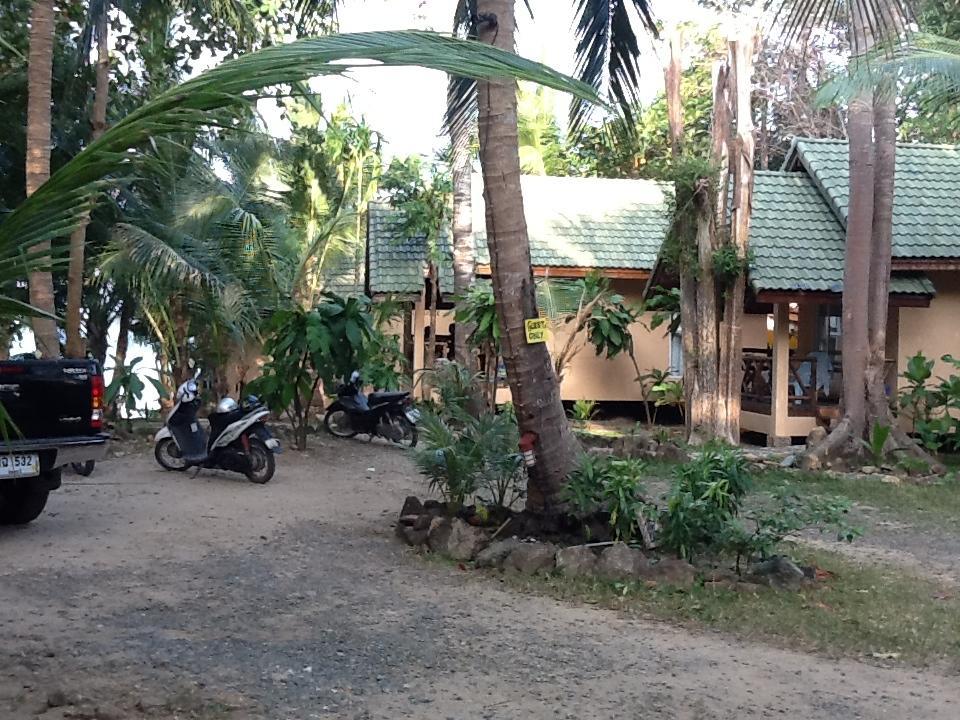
<point>49,399</point>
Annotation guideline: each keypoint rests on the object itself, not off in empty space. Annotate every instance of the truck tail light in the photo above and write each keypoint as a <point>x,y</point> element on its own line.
<point>96,401</point>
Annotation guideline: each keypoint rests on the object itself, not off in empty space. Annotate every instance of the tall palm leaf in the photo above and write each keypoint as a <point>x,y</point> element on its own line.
<point>59,205</point>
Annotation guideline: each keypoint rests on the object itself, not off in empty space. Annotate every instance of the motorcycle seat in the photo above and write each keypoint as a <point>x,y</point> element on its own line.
<point>386,396</point>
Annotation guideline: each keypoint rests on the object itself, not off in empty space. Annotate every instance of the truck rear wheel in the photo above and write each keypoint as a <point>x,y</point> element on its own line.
<point>21,505</point>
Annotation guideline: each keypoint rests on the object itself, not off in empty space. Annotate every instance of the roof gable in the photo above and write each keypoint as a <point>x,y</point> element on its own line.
<point>926,212</point>
<point>798,243</point>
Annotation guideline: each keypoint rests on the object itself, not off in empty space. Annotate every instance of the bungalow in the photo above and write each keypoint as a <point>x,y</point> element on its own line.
<point>792,368</point>
<point>792,328</point>
<point>575,225</point>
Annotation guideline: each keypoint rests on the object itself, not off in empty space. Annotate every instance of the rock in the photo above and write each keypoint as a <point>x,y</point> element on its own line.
<point>809,462</point>
<point>815,437</point>
<point>411,506</point>
<point>577,561</point>
<point>619,562</point>
<point>600,452</point>
<point>434,508</point>
<point>638,444</point>
<point>673,453</point>
<point>532,557</point>
<point>465,541</point>
<point>789,461</point>
<point>423,522</point>
<point>411,535</point>
<point>868,470</point>
<point>669,571</point>
<point>494,554</point>
<point>439,533</point>
<point>889,479</point>
<point>779,572</point>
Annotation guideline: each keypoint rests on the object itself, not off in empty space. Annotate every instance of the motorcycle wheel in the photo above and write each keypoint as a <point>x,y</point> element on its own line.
<point>83,468</point>
<point>409,438</point>
<point>337,423</point>
<point>262,462</point>
<point>168,455</point>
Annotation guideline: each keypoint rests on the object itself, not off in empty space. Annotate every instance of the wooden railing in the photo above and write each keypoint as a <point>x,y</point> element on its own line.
<point>756,390</point>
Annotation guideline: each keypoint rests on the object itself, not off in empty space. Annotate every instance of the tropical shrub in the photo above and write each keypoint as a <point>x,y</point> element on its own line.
<point>310,347</point>
<point>706,495</point>
<point>583,411</point>
<point>613,485</point>
<point>706,514</point>
<point>126,388</point>
<point>471,458</point>
<point>933,409</point>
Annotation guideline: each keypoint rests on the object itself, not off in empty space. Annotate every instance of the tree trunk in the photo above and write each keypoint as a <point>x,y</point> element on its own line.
<point>688,284</point>
<point>39,81</point>
<point>533,383</point>
<point>123,336</point>
<point>464,260</point>
<point>741,162</point>
<point>75,343</point>
<point>431,359</point>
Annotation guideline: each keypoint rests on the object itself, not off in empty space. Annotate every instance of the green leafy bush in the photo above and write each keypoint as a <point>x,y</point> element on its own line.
<point>126,388</point>
<point>307,347</point>
<point>613,485</point>
<point>706,510</point>
<point>786,513</point>
<point>706,494</point>
<point>466,457</point>
<point>933,409</point>
<point>583,411</point>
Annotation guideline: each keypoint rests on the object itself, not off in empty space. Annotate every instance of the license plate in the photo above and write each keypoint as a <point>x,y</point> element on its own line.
<point>413,415</point>
<point>25,465</point>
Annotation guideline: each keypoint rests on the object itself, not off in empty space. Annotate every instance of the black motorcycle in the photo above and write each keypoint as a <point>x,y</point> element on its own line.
<point>389,415</point>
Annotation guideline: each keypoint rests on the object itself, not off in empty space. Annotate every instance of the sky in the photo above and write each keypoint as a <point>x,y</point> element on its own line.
<point>406,104</point>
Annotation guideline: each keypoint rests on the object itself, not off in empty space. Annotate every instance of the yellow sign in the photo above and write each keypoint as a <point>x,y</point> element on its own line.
<point>536,330</point>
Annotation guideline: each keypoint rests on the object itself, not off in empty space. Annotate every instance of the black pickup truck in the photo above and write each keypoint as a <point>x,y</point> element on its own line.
<point>54,412</point>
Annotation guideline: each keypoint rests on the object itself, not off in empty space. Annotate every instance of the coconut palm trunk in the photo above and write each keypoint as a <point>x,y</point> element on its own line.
<point>464,260</point>
<point>39,81</point>
<point>75,343</point>
<point>533,383</point>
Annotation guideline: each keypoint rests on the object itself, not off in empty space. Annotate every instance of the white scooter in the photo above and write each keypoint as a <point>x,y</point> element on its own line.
<point>238,440</point>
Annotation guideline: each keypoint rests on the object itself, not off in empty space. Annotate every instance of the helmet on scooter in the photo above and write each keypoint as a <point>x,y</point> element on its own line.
<point>226,405</point>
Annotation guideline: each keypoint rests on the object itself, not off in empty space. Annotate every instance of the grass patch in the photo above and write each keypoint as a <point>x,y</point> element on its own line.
<point>864,611</point>
<point>938,503</point>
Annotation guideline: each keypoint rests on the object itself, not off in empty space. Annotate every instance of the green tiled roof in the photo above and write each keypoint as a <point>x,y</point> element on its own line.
<point>926,213</point>
<point>587,222</point>
<point>572,222</point>
<point>798,242</point>
<point>398,264</point>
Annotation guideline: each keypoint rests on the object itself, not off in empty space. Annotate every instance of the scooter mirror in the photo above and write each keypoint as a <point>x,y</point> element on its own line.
<point>196,374</point>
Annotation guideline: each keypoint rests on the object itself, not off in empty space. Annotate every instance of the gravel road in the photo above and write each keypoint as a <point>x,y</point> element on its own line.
<point>142,593</point>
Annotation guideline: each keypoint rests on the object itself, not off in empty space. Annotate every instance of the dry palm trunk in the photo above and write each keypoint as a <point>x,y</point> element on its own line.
<point>75,343</point>
<point>533,383</point>
<point>464,260</point>
<point>39,80</point>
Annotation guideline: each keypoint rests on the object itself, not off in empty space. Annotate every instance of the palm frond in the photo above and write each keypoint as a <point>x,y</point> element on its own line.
<point>929,64</point>
<point>607,51</point>
<point>64,200</point>
<point>888,21</point>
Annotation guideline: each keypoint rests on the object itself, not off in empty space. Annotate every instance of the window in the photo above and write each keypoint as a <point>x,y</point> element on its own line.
<point>676,353</point>
<point>829,328</point>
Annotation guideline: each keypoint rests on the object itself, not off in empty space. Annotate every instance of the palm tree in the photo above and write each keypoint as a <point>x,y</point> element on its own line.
<point>607,51</point>
<point>39,75</point>
<point>61,203</point>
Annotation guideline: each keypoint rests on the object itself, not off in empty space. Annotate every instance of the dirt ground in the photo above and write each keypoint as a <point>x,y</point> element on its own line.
<point>142,593</point>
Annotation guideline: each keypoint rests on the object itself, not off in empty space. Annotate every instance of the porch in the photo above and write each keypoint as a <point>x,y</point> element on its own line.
<point>793,382</point>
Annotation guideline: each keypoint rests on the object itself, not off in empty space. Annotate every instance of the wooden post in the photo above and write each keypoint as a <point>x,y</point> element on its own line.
<point>780,382</point>
<point>419,325</point>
